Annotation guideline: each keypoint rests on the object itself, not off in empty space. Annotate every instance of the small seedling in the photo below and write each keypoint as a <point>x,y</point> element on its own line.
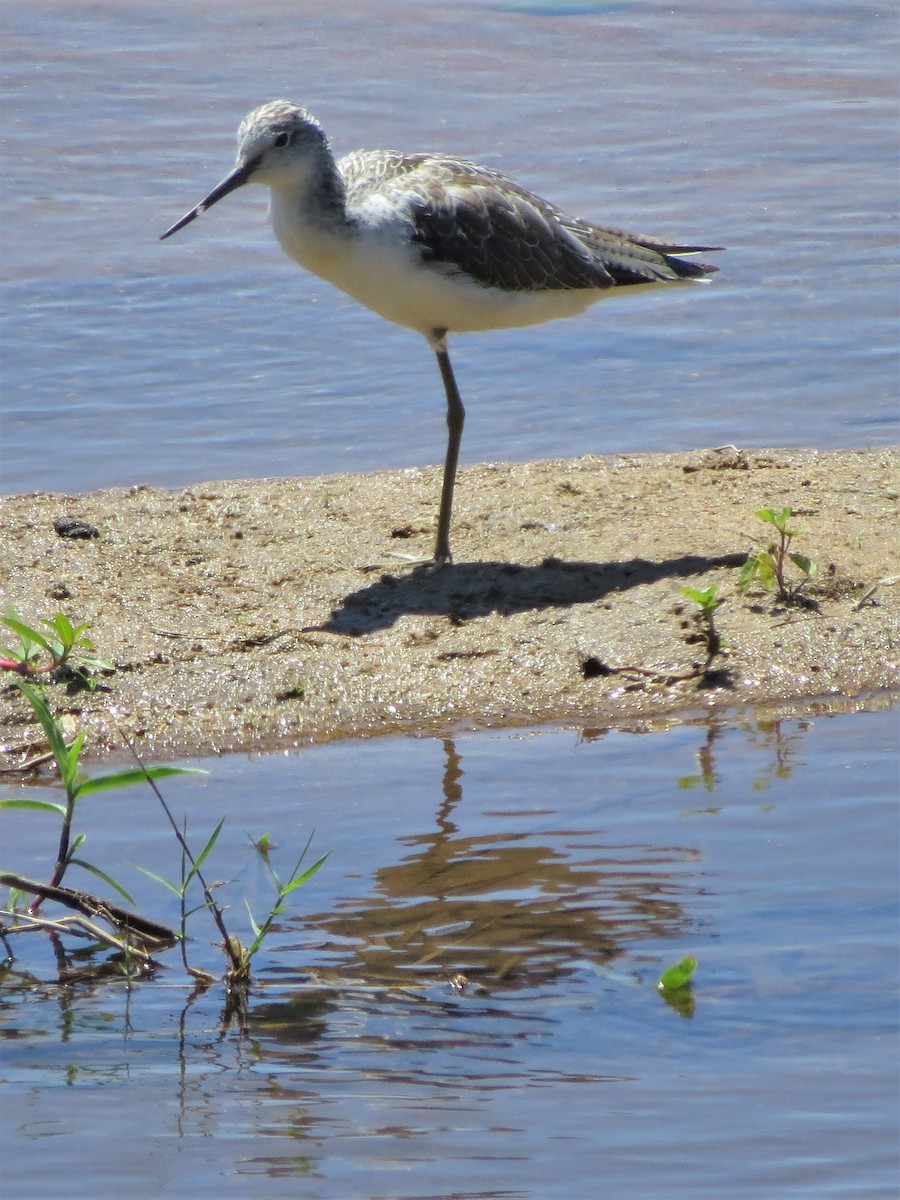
<point>66,647</point>
<point>706,633</point>
<point>707,599</point>
<point>708,603</point>
<point>769,566</point>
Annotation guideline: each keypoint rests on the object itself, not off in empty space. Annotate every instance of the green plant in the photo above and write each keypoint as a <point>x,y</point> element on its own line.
<point>282,889</point>
<point>77,787</point>
<point>239,956</point>
<point>769,566</point>
<point>134,935</point>
<point>66,646</point>
<point>707,633</point>
<point>707,599</point>
<point>679,975</point>
<point>190,870</point>
<point>700,629</point>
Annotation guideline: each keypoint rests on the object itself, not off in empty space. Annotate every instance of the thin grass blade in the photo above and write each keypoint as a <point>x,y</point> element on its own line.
<point>106,783</point>
<point>86,866</point>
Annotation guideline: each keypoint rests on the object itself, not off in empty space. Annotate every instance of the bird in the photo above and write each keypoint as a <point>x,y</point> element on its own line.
<point>435,243</point>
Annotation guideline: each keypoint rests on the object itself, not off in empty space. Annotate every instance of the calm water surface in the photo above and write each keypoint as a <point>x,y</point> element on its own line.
<point>559,871</point>
<point>769,128</point>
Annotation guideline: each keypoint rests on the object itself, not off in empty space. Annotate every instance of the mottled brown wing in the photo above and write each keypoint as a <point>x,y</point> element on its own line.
<point>487,226</point>
<point>495,231</point>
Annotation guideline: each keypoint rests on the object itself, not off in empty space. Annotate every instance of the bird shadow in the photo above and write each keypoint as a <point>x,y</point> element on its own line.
<point>467,591</point>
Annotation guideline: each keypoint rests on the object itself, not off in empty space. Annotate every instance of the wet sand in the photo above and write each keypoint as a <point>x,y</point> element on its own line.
<point>259,614</point>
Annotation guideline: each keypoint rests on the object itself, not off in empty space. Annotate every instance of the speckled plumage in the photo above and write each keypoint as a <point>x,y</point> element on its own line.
<point>435,243</point>
<point>500,233</point>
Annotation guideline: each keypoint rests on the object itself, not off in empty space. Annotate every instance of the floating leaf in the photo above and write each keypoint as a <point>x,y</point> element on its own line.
<point>677,976</point>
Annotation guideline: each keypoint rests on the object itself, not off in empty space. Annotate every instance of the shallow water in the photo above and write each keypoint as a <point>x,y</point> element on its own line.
<point>559,871</point>
<point>768,128</point>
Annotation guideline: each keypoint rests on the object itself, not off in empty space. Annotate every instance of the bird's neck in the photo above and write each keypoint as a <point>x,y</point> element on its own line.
<point>308,213</point>
<point>314,191</point>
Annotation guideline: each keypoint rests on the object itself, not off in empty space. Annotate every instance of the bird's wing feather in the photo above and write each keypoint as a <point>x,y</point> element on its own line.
<point>477,221</point>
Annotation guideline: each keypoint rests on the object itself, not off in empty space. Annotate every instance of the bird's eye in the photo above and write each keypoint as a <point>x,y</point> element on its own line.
<point>282,139</point>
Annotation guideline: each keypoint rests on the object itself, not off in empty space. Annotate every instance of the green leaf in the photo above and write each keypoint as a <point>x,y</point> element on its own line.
<point>201,859</point>
<point>706,599</point>
<point>765,569</point>
<point>253,925</point>
<point>307,875</point>
<point>747,575</point>
<point>86,866</point>
<point>37,805</point>
<point>70,774</point>
<point>158,879</point>
<point>806,565</point>
<point>679,975</point>
<point>780,520</point>
<point>27,634</point>
<point>62,627</point>
<point>19,654</point>
<point>767,515</point>
<point>89,662</point>
<point>106,783</point>
<point>53,732</point>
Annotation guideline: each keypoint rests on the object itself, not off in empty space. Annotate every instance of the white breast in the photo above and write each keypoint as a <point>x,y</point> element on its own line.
<point>376,264</point>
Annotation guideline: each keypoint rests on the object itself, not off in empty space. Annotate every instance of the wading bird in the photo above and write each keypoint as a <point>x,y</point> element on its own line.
<point>435,243</point>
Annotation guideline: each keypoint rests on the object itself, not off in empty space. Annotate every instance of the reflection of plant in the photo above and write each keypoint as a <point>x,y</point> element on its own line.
<point>769,566</point>
<point>65,645</point>
<point>773,735</point>
<point>782,737</point>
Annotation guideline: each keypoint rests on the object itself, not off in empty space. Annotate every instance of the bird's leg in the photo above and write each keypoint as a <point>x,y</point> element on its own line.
<point>456,415</point>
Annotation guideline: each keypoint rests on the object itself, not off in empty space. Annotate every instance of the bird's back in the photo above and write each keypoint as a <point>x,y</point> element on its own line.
<point>479,222</point>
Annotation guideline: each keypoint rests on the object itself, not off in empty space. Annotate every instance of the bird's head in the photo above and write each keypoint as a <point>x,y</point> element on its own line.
<point>277,143</point>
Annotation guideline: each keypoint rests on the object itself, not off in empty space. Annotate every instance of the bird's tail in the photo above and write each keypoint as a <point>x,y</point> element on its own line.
<point>675,256</point>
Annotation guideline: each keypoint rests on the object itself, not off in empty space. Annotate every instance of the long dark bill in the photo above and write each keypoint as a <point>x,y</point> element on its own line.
<point>236,179</point>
